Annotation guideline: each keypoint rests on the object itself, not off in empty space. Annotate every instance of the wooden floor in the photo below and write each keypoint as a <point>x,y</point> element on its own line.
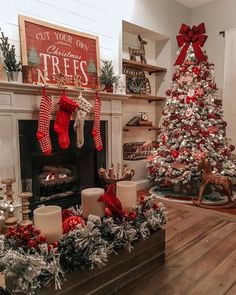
<point>200,255</point>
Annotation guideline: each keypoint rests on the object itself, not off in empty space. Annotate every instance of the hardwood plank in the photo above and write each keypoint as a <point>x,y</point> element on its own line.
<point>191,233</point>
<point>173,213</point>
<point>175,218</point>
<point>220,279</point>
<point>201,268</point>
<point>231,290</point>
<point>197,210</point>
<point>180,224</point>
<point>176,263</point>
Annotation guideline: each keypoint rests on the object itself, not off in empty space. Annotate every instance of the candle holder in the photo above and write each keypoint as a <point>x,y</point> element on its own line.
<point>25,208</point>
<point>11,220</point>
<point>26,187</point>
<point>9,192</point>
<point>7,174</point>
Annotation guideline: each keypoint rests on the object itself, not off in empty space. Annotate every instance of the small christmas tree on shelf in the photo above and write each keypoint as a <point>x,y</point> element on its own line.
<point>193,127</point>
<point>108,77</point>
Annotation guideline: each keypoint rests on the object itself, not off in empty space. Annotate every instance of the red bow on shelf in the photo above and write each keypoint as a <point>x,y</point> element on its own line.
<point>194,36</point>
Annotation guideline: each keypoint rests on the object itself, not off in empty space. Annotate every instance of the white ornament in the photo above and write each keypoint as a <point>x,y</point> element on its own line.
<point>189,112</point>
<point>191,92</point>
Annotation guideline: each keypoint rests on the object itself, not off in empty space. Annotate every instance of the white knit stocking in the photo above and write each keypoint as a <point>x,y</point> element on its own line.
<point>83,110</point>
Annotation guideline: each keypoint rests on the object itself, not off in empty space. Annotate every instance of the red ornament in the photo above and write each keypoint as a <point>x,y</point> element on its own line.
<point>133,215</point>
<point>196,70</point>
<point>175,153</point>
<point>155,206</point>
<point>201,104</point>
<point>211,116</point>
<point>50,247</point>
<point>71,222</point>
<point>163,138</point>
<point>232,147</point>
<point>42,239</point>
<point>55,244</point>
<point>32,244</point>
<point>212,129</point>
<point>66,213</point>
<point>205,133</point>
<point>168,92</point>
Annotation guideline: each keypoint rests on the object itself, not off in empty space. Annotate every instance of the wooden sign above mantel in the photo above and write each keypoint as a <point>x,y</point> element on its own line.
<point>56,50</point>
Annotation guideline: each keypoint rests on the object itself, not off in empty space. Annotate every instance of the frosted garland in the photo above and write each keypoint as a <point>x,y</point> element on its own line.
<point>84,247</point>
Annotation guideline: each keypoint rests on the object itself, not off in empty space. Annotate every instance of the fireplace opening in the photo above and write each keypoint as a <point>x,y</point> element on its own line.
<point>59,178</point>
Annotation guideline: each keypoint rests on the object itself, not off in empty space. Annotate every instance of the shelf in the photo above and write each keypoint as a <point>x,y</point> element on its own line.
<point>150,98</point>
<point>138,65</point>
<point>24,88</point>
<point>149,128</point>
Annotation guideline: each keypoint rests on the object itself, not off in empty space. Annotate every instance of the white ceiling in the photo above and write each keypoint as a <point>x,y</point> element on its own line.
<point>193,3</point>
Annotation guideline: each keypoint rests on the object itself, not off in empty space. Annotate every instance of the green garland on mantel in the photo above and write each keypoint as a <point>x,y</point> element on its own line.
<point>34,265</point>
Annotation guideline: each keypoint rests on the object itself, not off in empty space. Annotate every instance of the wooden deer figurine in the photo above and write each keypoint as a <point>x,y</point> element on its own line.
<point>133,52</point>
<point>222,183</point>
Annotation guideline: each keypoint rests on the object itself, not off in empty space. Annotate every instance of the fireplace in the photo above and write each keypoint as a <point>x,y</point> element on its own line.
<point>60,177</point>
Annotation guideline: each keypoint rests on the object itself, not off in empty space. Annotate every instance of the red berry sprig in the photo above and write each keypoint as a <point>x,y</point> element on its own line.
<point>26,237</point>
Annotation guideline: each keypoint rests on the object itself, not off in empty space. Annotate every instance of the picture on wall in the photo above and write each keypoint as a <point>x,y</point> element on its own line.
<point>57,50</point>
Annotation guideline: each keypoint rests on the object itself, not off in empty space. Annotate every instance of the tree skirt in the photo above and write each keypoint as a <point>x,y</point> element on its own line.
<point>180,197</point>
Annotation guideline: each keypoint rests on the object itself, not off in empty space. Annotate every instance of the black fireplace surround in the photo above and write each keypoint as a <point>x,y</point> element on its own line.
<point>59,178</point>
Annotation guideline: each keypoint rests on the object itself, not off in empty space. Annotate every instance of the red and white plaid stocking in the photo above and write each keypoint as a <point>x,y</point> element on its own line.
<point>42,134</point>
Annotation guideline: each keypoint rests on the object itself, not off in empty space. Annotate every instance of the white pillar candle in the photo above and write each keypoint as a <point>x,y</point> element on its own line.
<point>126,192</point>
<point>48,219</point>
<point>90,204</point>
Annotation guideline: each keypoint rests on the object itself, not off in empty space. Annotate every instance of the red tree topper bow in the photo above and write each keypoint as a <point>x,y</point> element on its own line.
<point>194,36</point>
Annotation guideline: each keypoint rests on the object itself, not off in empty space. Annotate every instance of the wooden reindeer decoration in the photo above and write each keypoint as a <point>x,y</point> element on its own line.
<point>223,184</point>
<point>133,52</point>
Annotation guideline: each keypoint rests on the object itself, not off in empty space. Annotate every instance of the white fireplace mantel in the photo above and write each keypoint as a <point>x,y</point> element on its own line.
<point>21,102</point>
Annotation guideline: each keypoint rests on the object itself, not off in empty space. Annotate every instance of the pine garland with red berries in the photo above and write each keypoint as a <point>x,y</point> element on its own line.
<point>25,255</point>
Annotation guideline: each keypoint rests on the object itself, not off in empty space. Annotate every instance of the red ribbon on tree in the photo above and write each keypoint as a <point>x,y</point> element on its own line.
<point>194,36</point>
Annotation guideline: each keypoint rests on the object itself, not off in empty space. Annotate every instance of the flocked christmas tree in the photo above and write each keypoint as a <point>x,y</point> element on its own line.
<point>193,127</point>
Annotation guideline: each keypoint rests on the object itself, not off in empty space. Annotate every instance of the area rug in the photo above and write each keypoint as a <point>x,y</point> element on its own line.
<point>180,197</point>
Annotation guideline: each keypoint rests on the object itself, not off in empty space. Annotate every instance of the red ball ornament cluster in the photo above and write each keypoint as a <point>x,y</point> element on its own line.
<point>25,236</point>
<point>132,215</point>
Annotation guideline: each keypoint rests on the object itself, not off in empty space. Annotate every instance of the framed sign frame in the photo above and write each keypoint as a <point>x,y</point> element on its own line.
<point>54,50</point>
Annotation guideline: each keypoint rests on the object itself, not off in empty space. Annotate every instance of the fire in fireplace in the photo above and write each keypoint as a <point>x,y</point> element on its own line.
<point>59,178</point>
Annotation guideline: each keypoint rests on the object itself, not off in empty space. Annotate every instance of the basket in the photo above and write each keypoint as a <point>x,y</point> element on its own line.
<point>106,180</point>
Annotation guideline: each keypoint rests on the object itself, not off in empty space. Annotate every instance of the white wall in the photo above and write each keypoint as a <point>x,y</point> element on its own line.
<point>218,16</point>
<point>102,18</point>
